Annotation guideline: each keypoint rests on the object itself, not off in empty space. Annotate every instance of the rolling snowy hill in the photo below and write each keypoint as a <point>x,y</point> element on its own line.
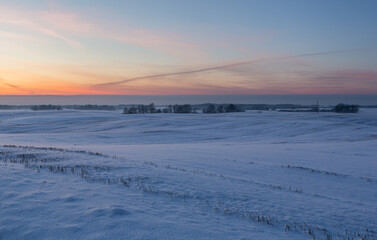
<point>270,175</point>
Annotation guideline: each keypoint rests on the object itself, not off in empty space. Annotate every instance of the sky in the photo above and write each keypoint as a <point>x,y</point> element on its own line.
<point>174,47</point>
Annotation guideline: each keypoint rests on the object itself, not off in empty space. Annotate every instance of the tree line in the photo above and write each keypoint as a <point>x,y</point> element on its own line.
<point>222,108</point>
<point>184,108</point>
<point>187,108</point>
<point>151,108</point>
<point>46,107</point>
<point>344,108</point>
<point>93,107</point>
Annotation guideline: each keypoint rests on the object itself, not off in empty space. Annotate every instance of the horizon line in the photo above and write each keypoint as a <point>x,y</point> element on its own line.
<point>269,94</point>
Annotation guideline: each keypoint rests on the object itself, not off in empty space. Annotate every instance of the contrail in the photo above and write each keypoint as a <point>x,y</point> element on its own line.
<point>219,67</point>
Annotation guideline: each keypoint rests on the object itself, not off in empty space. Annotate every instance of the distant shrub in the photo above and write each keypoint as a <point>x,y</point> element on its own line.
<point>5,107</point>
<point>186,108</point>
<point>46,107</point>
<point>141,109</point>
<point>152,108</point>
<point>210,109</point>
<point>343,108</point>
<point>233,108</point>
<point>131,110</point>
<point>220,109</point>
<point>94,107</point>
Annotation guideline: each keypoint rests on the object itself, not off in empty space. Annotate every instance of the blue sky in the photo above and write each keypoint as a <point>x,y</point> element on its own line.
<point>78,45</point>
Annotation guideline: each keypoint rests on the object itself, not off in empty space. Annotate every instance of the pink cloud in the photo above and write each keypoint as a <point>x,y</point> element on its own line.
<point>67,21</point>
<point>335,82</point>
<point>17,36</point>
<point>62,25</point>
<point>32,21</point>
<point>357,74</point>
<point>166,42</point>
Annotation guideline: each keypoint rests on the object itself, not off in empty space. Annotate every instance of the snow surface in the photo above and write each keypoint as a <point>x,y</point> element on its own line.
<point>270,175</point>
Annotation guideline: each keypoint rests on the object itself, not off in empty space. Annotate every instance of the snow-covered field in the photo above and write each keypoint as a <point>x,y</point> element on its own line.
<point>270,175</point>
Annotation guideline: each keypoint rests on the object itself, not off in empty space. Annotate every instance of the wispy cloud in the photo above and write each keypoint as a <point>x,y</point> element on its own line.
<point>165,42</point>
<point>66,21</point>
<point>62,25</point>
<point>16,36</point>
<point>165,46</point>
<point>32,21</point>
<point>320,82</point>
<point>217,67</point>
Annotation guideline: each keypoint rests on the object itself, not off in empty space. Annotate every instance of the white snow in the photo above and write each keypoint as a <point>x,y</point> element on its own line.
<point>271,175</point>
